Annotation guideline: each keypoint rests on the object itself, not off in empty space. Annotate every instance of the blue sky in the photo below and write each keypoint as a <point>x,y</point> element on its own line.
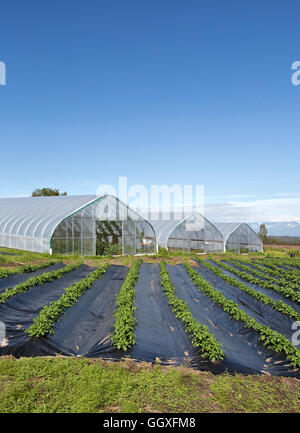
<point>163,92</point>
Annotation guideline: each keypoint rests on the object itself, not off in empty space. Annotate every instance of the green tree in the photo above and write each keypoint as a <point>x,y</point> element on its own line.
<point>46,192</point>
<point>263,232</point>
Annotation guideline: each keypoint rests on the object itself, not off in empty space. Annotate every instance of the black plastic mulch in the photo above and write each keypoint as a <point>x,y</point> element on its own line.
<point>86,328</point>
<point>262,313</point>
<point>244,353</point>
<point>276,296</point>
<point>13,280</point>
<point>18,313</point>
<point>159,334</point>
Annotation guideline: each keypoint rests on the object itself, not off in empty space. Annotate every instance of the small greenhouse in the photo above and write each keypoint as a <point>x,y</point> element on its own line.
<point>239,237</point>
<point>83,225</point>
<point>191,234</point>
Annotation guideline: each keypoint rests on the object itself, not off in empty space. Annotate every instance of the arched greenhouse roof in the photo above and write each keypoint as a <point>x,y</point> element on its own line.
<point>228,228</point>
<point>164,228</point>
<point>34,219</point>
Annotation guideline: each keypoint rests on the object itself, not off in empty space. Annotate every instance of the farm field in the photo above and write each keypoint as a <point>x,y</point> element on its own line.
<point>219,323</point>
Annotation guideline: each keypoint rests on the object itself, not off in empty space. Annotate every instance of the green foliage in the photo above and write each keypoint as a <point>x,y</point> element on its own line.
<point>286,290</point>
<point>5,273</point>
<point>107,249</point>
<point>35,281</point>
<point>43,323</point>
<point>123,337</point>
<point>269,271</point>
<point>200,334</point>
<point>82,385</point>
<point>271,339</point>
<point>263,232</point>
<point>46,192</point>
<point>276,305</point>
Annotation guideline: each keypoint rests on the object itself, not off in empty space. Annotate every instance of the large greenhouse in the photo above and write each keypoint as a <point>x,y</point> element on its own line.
<point>83,225</point>
<point>239,237</point>
<point>191,234</point>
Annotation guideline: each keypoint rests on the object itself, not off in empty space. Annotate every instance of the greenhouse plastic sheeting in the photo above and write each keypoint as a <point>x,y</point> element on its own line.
<point>191,234</point>
<point>67,224</point>
<point>239,235</point>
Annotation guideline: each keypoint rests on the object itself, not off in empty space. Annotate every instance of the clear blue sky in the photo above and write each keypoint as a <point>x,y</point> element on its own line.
<point>168,91</point>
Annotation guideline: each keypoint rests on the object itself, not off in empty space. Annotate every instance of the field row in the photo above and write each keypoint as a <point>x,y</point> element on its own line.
<point>216,315</point>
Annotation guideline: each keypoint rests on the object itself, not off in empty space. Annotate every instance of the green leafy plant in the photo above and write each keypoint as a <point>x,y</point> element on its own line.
<point>271,339</point>
<point>125,322</point>
<point>276,305</point>
<point>287,292</point>
<point>200,335</point>
<point>5,273</point>
<point>43,323</point>
<point>35,281</point>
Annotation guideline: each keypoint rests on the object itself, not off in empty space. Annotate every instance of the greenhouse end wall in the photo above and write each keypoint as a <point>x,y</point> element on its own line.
<point>243,239</point>
<point>105,226</point>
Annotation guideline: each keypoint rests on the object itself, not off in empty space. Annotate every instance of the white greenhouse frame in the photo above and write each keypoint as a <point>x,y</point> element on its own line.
<point>40,224</point>
<point>238,236</point>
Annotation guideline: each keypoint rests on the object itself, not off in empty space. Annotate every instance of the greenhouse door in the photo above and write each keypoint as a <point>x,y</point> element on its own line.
<point>128,237</point>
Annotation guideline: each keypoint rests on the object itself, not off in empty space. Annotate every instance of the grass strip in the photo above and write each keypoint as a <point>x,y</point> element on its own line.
<point>35,281</point>
<point>43,323</point>
<point>125,322</point>
<point>287,292</point>
<point>200,335</point>
<point>273,340</point>
<point>5,273</point>
<point>280,306</point>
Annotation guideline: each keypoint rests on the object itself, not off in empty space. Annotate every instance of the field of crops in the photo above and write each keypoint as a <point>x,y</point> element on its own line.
<point>234,313</point>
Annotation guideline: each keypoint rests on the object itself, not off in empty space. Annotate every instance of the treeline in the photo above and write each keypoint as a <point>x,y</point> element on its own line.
<point>282,240</point>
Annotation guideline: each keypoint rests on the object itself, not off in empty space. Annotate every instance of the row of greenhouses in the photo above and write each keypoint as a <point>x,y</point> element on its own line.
<point>90,225</point>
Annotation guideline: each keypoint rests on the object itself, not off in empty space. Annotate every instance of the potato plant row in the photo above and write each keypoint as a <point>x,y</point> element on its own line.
<point>276,305</point>
<point>44,323</point>
<point>125,322</point>
<point>269,338</point>
<point>262,272</point>
<point>287,292</point>
<point>290,275</point>
<point>5,273</point>
<point>200,335</point>
<point>287,263</point>
<point>35,281</point>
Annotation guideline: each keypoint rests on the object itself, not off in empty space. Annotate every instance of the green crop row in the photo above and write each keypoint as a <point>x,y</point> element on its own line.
<point>35,281</point>
<point>273,270</point>
<point>265,273</point>
<point>200,335</point>
<point>269,338</point>
<point>125,322</point>
<point>290,263</point>
<point>5,273</point>
<point>44,323</point>
<point>276,305</point>
<point>284,291</point>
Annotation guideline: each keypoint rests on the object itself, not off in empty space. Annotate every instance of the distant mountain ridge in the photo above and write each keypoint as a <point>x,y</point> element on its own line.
<point>282,228</point>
